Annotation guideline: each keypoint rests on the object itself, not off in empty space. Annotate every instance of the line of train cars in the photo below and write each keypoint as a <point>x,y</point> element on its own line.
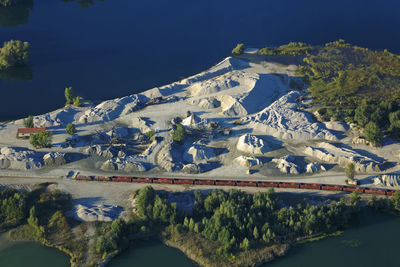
<point>152,180</point>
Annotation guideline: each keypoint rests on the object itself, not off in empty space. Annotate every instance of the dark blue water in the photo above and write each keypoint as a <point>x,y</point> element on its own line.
<point>114,48</point>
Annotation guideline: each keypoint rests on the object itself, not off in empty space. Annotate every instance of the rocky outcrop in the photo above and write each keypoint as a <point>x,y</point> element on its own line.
<point>391,179</point>
<point>248,161</point>
<point>287,165</point>
<point>199,154</point>
<point>20,159</point>
<point>54,159</point>
<point>166,158</point>
<point>251,144</point>
<point>341,155</point>
<point>314,167</point>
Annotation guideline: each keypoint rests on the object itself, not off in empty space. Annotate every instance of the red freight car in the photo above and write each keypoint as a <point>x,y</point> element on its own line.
<point>332,187</point>
<point>267,184</point>
<point>148,180</point>
<point>102,179</point>
<point>84,178</point>
<point>288,185</point>
<point>375,191</point>
<point>310,186</point>
<point>225,182</point>
<point>204,182</point>
<point>390,192</point>
<point>163,180</point>
<point>126,179</point>
<point>183,181</point>
<point>353,188</point>
<point>246,183</point>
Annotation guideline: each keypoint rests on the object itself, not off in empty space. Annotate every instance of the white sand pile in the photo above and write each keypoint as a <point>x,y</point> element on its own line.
<point>314,167</point>
<point>127,164</point>
<point>342,155</point>
<point>282,120</point>
<point>390,180</point>
<point>54,159</point>
<point>192,121</point>
<point>247,161</point>
<point>337,126</point>
<point>112,109</point>
<point>251,144</point>
<point>60,117</point>
<point>287,165</point>
<point>20,159</point>
<point>199,154</point>
<point>95,213</point>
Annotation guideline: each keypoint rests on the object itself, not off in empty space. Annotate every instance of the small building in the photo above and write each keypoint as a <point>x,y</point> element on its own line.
<point>26,132</point>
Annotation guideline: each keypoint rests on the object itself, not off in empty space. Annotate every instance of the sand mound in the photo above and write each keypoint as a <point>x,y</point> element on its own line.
<point>199,154</point>
<point>282,120</point>
<point>60,117</point>
<point>20,159</point>
<point>391,180</point>
<point>251,144</point>
<point>341,155</point>
<point>287,165</point>
<point>247,161</point>
<point>126,164</point>
<point>95,213</point>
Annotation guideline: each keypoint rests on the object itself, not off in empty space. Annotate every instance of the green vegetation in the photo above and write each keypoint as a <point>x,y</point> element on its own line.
<point>290,49</point>
<point>179,134</point>
<point>78,102</point>
<point>70,129</point>
<point>69,96</point>
<point>350,171</point>
<point>13,54</point>
<point>9,3</point>
<point>41,139</point>
<point>28,122</point>
<point>150,134</point>
<point>238,50</point>
<point>357,85</point>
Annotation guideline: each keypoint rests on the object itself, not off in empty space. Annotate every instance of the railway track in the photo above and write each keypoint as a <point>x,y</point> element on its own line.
<point>240,183</point>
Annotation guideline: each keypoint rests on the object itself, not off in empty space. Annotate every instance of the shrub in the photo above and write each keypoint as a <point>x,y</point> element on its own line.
<point>14,53</point>
<point>77,102</point>
<point>372,133</point>
<point>238,50</point>
<point>41,139</point>
<point>69,96</point>
<point>70,129</point>
<point>179,134</point>
<point>28,122</point>
<point>150,134</point>
<point>350,171</point>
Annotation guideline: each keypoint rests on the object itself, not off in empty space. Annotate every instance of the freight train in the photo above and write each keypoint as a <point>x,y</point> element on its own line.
<point>241,183</point>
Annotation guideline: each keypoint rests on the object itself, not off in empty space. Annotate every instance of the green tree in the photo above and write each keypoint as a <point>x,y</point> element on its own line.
<point>373,133</point>
<point>238,50</point>
<point>28,122</point>
<point>77,102</point>
<point>350,170</point>
<point>69,96</point>
<point>245,244</point>
<point>41,139</point>
<point>179,134</point>
<point>70,129</point>
<point>355,199</point>
<point>14,53</point>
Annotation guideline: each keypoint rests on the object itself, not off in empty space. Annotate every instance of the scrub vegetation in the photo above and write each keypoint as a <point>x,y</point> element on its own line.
<point>14,54</point>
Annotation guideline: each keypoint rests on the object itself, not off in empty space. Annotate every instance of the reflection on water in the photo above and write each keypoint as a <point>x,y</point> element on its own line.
<point>15,15</point>
<point>17,74</point>
<point>84,4</point>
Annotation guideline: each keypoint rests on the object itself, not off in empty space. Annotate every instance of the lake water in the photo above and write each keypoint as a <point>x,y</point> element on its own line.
<point>105,49</point>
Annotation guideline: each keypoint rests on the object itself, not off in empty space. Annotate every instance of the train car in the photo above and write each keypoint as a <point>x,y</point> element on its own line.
<point>246,183</point>
<point>204,182</point>
<point>102,179</point>
<point>375,191</point>
<point>163,180</point>
<point>349,188</point>
<point>288,185</point>
<point>267,184</point>
<point>310,186</point>
<point>225,182</point>
<point>390,192</point>
<point>148,180</point>
<point>84,178</point>
<point>126,179</point>
<point>332,187</point>
<point>183,181</point>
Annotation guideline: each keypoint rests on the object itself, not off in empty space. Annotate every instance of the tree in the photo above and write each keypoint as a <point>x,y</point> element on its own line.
<point>245,244</point>
<point>355,199</point>
<point>350,171</point>
<point>70,129</point>
<point>13,54</point>
<point>69,96</point>
<point>238,50</point>
<point>179,134</point>
<point>41,139</point>
<point>77,102</point>
<point>373,133</point>
<point>28,122</point>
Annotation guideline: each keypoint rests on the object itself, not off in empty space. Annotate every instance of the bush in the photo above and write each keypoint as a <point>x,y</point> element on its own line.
<point>69,96</point>
<point>372,133</point>
<point>77,102</point>
<point>70,129</point>
<point>350,171</point>
<point>179,134</point>
<point>150,134</point>
<point>41,139</point>
<point>238,50</point>
<point>14,53</point>
<point>28,122</point>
